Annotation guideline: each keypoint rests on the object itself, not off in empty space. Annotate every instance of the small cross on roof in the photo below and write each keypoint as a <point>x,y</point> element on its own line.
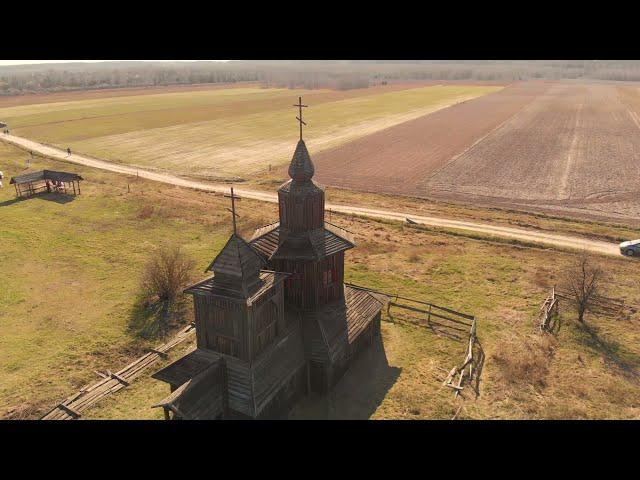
<point>300,107</point>
<point>233,207</point>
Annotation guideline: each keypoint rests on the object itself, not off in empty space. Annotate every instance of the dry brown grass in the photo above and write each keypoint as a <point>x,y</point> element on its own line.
<point>145,212</point>
<point>524,360</point>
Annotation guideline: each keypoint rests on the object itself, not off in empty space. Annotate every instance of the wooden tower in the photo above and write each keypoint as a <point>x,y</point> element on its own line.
<point>266,335</point>
<point>335,318</point>
<point>247,351</point>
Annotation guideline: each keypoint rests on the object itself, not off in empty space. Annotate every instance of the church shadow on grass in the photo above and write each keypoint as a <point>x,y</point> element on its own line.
<point>359,392</point>
<point>151,320</point>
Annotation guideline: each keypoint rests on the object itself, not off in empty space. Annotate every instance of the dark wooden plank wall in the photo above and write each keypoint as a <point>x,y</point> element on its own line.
<point>279,363</point>
<point>239,386</point>
<point>220,325</point>
<point>316,345</point>
<point>268,319</point>
<point>301,213</point>
<point>306,288</point>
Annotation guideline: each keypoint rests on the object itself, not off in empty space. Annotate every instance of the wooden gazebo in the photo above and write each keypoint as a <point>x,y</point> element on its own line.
<point>46,181</point>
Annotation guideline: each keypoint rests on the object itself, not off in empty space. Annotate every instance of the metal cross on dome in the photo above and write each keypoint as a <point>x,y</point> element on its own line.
<point>233,207</point>
<point>300,106</point>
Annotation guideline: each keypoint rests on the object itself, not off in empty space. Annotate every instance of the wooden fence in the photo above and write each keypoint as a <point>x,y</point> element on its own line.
<point>548,317</point>
<point>72,407</point>
<point>449,323</point>
<point>599,303</point>
<point>473,361</point>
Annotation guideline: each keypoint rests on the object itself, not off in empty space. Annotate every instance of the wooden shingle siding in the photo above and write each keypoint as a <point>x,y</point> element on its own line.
<point>186,367</point>
<point>275,367</point>
<point>299,213</point>
<point>319,243</point>
<point>239,386</point>
<point>200,398</point>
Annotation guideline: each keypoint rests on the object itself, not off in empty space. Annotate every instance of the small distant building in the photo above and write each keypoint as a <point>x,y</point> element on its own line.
<point>46,181</point>
<point>275,321</point>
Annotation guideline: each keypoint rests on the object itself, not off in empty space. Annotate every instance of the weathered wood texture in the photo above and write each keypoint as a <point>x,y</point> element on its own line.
<point>548,318</point>
<point>73,406</point>
<point>313,283</point>
<point>42,181</point>
<point>448,323</point>
<point>199,398</point>
<point>239,327</point>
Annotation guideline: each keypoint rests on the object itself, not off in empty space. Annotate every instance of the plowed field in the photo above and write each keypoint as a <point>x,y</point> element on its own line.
<point>575,148</point>
<point>399,159</point>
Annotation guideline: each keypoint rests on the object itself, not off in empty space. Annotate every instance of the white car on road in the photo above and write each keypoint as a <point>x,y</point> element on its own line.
<point>630,248</point>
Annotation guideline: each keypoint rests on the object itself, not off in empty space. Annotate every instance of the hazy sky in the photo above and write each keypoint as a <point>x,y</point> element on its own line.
<point>24,62</point>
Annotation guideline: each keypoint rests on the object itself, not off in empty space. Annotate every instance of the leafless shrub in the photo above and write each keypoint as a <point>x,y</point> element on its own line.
<point>167,274</point>
<point>582,281</point>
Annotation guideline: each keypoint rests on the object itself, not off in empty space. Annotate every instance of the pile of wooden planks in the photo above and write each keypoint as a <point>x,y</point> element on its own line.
<point>72,407</point>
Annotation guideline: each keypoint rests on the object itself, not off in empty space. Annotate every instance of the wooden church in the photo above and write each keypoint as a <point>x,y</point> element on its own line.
<point>275,321</point>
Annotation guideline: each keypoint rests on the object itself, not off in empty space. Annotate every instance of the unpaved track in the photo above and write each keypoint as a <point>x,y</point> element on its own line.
<point>535,236</point>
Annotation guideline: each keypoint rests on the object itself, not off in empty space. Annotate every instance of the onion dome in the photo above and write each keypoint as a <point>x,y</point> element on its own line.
<point>301,168</point>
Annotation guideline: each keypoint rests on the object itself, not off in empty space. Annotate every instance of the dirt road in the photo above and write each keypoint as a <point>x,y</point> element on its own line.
<point>535,236</point>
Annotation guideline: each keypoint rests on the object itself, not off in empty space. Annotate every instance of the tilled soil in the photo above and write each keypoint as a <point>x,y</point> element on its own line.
<point>576,148</point>
<point>399,159</point>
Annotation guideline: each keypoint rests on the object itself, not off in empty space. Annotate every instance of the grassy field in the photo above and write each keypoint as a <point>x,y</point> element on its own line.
<point>69,282</point>
<point>228,132</point>
<point>69,286</point>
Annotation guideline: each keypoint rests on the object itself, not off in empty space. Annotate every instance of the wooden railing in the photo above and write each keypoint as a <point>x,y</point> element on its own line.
<point>445,322</point>
<point>548,316</point>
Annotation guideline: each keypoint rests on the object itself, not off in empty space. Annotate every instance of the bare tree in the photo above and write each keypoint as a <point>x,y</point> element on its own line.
<point>582,281</point>
<point>167,274</point>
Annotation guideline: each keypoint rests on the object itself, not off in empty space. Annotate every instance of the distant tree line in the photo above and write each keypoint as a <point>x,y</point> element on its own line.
<point>340,75</point>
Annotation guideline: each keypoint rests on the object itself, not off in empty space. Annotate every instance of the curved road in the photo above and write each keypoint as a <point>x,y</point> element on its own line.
<point>537,236</point>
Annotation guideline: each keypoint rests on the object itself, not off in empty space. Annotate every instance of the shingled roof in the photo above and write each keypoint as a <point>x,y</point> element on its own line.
<point>237,267</point>
<point>212,287</point>
<point>341,323</point>
<point>45,175</point>
<point>200,398</point>
<point>187,367</point>
<point>313,245</point>
<point>237,259</point>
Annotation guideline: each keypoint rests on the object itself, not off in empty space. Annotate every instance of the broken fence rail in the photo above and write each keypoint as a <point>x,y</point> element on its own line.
<point>457,321</point>
<point>72,407</point>
<point>549,312</point>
